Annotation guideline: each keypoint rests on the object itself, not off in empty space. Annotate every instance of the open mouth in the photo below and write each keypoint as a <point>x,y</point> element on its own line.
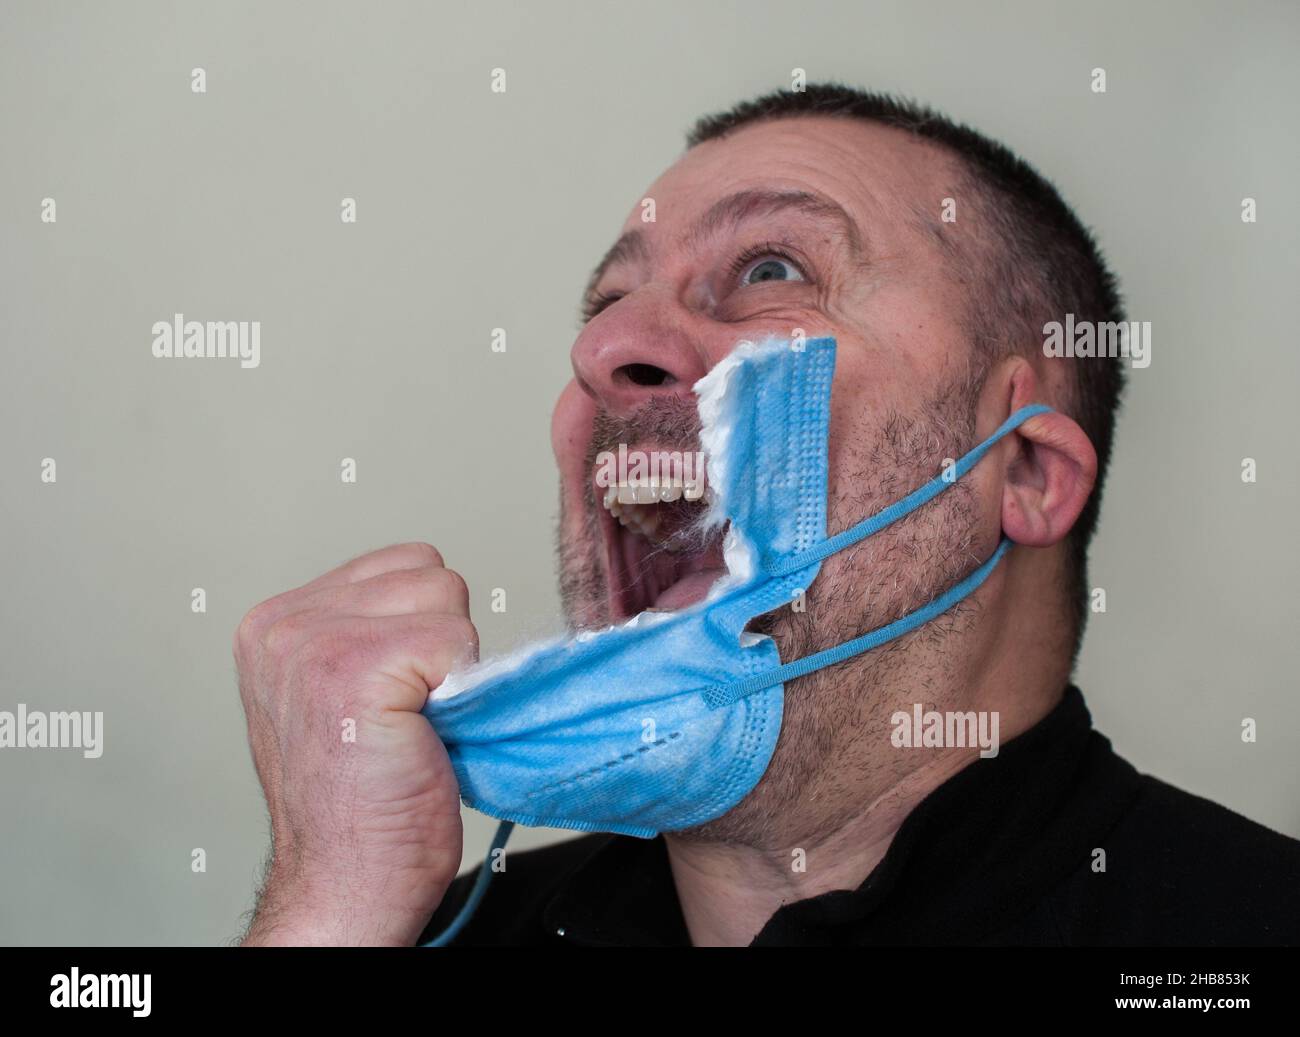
<point>658,553</point>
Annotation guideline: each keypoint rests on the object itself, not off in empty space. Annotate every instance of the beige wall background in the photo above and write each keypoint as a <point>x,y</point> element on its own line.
<point>476,211</point>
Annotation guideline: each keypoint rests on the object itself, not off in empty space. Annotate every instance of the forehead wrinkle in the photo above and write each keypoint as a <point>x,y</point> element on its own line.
<point>729,213</point>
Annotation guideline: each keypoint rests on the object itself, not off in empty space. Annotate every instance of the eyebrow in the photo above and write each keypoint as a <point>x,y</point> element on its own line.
<point>727,214</point>
<point>631,245</point>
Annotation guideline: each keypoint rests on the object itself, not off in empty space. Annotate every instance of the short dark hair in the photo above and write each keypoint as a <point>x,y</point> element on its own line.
<point>1036,262</point>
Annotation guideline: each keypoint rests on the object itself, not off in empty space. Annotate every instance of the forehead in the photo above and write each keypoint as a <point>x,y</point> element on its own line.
<point>875,173</point>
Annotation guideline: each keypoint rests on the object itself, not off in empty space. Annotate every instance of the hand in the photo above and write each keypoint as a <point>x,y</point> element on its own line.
<point>365,810</point>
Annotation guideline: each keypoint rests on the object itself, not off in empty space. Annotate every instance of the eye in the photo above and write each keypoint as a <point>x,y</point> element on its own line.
<point>765,264</point>
<point>771,270</point>
<point>595,304</point>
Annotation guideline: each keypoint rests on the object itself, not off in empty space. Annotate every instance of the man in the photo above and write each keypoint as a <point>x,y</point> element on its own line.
<point>935,258</point>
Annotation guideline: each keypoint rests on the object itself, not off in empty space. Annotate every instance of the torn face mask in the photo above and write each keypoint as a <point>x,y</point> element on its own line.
<point>670,719</point>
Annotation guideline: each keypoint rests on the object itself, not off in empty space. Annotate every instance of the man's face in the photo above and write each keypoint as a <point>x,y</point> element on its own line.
<point>813,223</point>
<point>819,224</point>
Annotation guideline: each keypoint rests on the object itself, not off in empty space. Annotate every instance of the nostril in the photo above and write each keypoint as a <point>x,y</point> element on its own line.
<point>644,374</point>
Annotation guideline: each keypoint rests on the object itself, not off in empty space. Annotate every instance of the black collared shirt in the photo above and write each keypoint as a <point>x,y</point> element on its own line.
<point>1009,851</point>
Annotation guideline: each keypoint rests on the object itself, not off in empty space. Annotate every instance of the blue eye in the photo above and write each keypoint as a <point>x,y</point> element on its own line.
<point>770,268</point>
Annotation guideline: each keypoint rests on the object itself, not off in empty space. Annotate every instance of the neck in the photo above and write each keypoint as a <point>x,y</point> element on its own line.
<point>728,891</point>
<point>829,828</point>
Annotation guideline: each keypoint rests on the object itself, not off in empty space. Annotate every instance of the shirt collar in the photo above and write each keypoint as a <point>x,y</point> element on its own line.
<point>980,849</point>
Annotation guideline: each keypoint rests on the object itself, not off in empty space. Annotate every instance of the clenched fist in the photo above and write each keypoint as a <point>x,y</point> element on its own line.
<point>365,811</point>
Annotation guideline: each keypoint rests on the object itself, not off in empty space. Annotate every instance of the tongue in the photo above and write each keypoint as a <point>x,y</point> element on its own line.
<point>689,589</point>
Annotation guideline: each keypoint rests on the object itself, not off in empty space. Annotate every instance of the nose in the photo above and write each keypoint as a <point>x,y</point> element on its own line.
<point>635,351</point>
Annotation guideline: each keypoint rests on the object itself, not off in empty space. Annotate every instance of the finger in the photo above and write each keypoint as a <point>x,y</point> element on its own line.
<point>413,653</point>
<point>387,559</point>
<point>397,558</point>
<point>397,593</point>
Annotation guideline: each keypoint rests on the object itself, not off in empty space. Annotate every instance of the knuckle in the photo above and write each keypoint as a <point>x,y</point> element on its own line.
<point>431,585</point>
<point>459,632</point>
<point>422,552</point>
<point>279,636</point>
<point>253,626</point>
<point>254,619</point>
<point>406,586</point>
<point>456,586</point>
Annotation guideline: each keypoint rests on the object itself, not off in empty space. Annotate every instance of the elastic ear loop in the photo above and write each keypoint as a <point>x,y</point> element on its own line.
<point>726,694</point>
<point>729,693</point>
<point>485,874</point>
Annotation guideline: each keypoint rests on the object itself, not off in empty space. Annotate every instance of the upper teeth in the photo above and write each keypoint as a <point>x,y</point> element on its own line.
<point>634,504</point>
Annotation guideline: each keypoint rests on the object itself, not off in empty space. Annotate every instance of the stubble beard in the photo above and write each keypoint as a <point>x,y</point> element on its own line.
<point>836,719</point>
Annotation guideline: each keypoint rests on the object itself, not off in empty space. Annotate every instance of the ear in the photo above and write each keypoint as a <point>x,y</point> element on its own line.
<point>1051,465</point>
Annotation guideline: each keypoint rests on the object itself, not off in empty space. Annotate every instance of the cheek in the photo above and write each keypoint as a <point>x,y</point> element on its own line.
<point>571,427</point>
<point>893,367</point>
<point>863,394</point>
<point>571,424</point>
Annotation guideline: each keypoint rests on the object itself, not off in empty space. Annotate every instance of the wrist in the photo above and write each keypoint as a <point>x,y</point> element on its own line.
<point>296,917</point>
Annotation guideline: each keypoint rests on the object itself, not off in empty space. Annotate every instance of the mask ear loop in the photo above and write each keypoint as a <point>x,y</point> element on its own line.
<point>888,516</point>
<point>724,695</point>
<point>485,874</point>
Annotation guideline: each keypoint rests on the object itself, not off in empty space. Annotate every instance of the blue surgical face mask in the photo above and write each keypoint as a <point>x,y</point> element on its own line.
<point>670,719</point>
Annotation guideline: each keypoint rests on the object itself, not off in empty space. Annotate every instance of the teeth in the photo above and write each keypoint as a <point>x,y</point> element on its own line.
<point>640,520</point>
<point>635,504</point>
<point>653,491</point>
<point>642,493</point>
